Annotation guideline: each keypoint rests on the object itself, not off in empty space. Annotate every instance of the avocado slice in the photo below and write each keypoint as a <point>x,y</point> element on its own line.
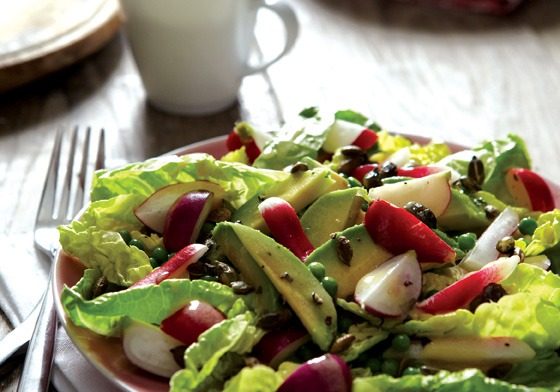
<point>301,290</point>
<point>463,214</point>
<point>366,256</point>
<point>267,298</point>
<point>332,213</point>
<point>299,189</point>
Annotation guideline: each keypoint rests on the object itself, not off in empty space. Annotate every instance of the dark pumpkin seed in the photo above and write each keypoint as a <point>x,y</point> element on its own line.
<point>240,287</point>
<point>476,171</point>
<point>343,249</point>
<point>298,167</point>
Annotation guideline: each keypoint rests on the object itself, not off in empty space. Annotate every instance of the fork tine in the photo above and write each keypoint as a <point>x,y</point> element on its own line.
<point>100,160</point>
<point>80,194</point>
<point>64,201</point>
<point>47,201</point>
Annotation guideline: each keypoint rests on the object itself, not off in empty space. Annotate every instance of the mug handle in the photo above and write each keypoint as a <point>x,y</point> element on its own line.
<point>288,17</point>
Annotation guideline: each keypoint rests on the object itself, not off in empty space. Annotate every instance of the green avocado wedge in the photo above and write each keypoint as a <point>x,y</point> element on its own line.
<point>267,298</point>
<point>299,189</point>
<point>301,290</point>
<point>332,213</point>
<point>366,256</point>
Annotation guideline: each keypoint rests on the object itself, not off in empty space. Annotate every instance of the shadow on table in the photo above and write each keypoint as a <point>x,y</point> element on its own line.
<point>539,15</point>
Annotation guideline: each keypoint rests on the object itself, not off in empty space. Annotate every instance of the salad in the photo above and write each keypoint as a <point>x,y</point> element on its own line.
<point>331,255</point>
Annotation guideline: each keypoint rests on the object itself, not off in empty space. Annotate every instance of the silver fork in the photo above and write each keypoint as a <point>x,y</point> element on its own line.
<point>60,202</point>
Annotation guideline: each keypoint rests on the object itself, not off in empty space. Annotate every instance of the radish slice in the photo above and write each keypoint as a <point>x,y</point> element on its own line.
<point>391,289</point>
<point>462,292</point>
<point>485,249</point>
<point>341,133</point>
<point>284,224</point>
<point>328,373</point>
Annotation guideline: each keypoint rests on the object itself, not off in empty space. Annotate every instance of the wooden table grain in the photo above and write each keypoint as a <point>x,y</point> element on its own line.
<point>419,70</point>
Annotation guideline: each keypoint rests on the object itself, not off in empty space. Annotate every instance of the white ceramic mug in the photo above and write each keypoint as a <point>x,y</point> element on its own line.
<point>193,54</point>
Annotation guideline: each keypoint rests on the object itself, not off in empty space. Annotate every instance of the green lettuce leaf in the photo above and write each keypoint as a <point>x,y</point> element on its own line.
<point>540,372</point>
<point>429,153</point>
<point>497,156</point>
<point>530,313</point>
<point>387,144</point>
<point>258,378</point>
<point>106,314</point>
<point>351,116</point>
<point>217,355</point>
<point>294,143</point>
<point>547,234</point>
<point>240,182</point>
<point>95,241</point>
<point>467,380</point>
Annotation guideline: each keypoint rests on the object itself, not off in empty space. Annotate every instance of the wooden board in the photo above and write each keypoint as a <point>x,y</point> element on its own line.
<point>38,37</point>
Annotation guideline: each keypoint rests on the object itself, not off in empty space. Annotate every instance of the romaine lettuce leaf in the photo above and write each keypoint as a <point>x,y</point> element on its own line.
<point>217,355</point>
<point>106,314</point>
<point>467,380</point>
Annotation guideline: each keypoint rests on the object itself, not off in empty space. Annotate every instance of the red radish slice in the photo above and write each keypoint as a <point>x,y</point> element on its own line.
<point>284,225</point>
<point>233,141</point>
<point>185,218</point>
<point>359,172</point>
<point>190,321</point>
<point>391,289</point>
<point>276,346</point>
<point>398,231</point>
<point>461,293</point>
<point>418,171</point>
<point>485,250</point>
<point>343,133</point>
<point>153,211</point>
<point>175,267</point>
<point>328,373</point>
<point>529,190</point>
<point>366,139</point>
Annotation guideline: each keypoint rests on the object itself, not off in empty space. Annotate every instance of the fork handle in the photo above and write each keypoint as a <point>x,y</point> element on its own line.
<point>38,362</point>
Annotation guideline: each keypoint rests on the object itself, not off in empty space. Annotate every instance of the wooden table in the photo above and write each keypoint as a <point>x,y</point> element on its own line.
<point>418,70</point>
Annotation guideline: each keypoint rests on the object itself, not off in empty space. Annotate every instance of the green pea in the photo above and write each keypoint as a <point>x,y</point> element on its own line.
<point>330,285</point>
<point>527,226</point>
<point>160,254</point>
<point>401,342</point>
<point>125,235</point>
<point>390,367</point>
<point>154,263</point>
<point>374,364</point>
<point>466,242</point>
<point>411,370</point>
<point>137,243</point>
<point>317,269</point>
<point>353,182</point>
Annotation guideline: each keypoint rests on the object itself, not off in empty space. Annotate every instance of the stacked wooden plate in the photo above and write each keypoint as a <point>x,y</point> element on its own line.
<point>38,37</point>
